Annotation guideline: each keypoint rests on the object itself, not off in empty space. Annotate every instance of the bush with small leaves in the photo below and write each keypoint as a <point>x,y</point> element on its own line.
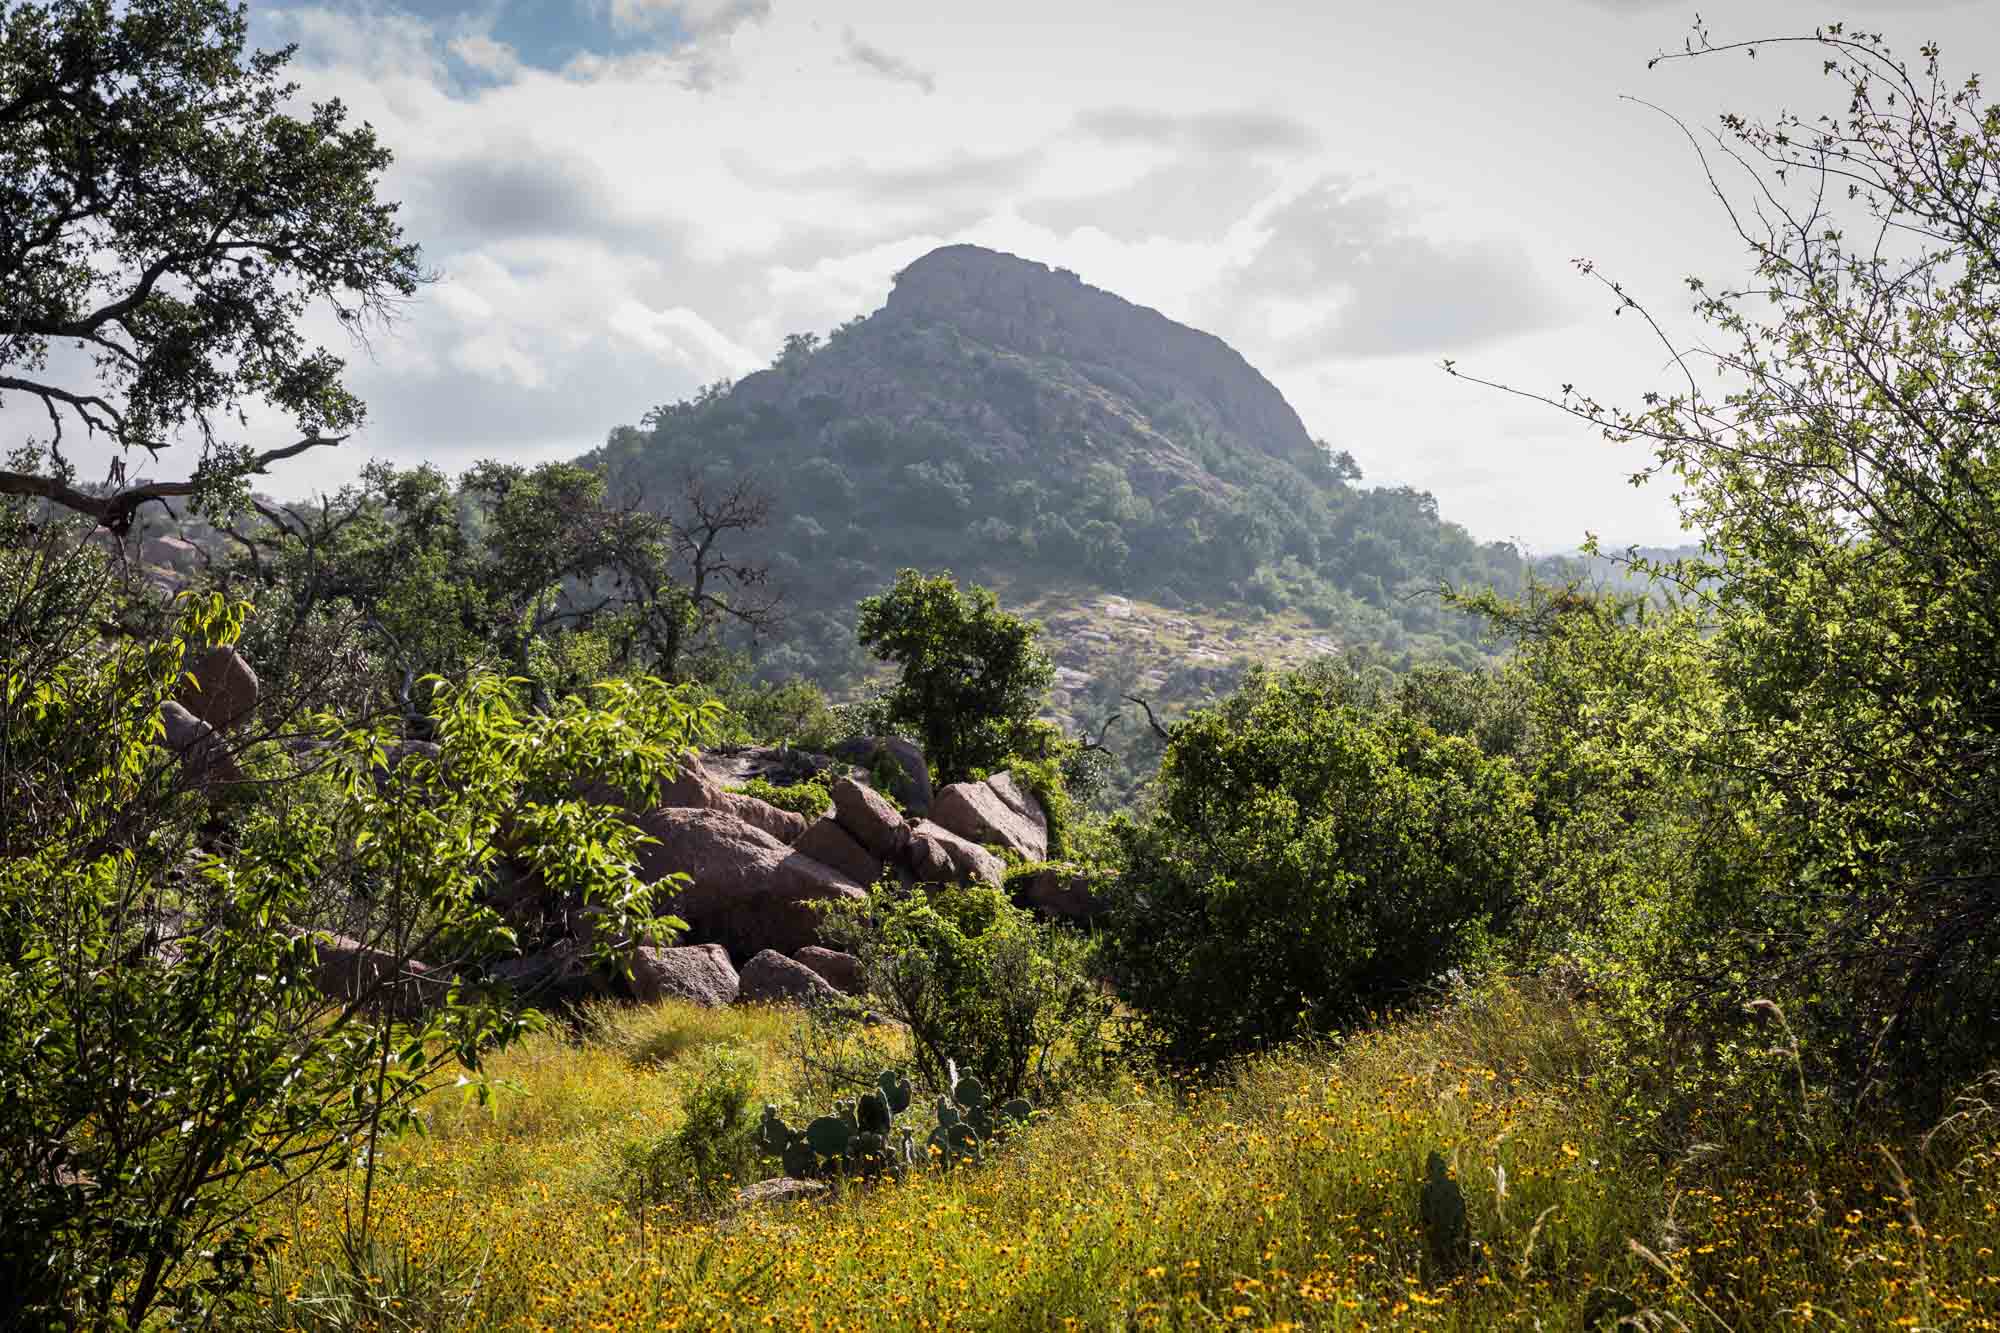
<point>715,1146</point>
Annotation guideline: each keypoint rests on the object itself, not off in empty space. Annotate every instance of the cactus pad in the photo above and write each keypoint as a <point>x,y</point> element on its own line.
<point>800,1160</point>
<point>830,1135</point>
<point>1441,1209</point>
<point>773,1134</point>
<point>895,1091</point>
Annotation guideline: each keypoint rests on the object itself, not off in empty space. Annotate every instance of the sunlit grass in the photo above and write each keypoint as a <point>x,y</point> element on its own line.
<point>1286,1197</point>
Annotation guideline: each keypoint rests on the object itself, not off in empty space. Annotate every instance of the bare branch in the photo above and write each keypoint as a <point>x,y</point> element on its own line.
<point>115,511</point>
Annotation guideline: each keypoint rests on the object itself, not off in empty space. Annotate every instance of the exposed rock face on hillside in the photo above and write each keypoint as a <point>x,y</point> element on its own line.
<point>1030,366</point>
<point>1016,425</point>
<point>1038,311</point>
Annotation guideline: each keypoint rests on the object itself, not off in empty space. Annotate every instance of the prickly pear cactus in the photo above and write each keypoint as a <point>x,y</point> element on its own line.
<point>773,1134</point>
<point>895,1091</point>
<point>800,1161</point>
<point>831,1135</point>
<point>869,1156</point>
<point>873,1113</point>
<point>964,1144</point>
<point>1441,1209</point>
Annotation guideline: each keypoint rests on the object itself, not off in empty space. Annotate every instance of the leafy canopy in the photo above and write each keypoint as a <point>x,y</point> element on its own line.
<point>972,676</point>
<point>167,215</point>
<point>1833,441</point>
<point>211,988</point>
<point>1314,857</point>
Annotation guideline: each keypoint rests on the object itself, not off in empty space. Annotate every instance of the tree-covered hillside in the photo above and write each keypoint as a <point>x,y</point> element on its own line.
<point>1007,422</point>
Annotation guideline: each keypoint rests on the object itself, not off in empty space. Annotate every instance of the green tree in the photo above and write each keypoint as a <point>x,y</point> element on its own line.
<point>979,984</point>
<point>529,570</point>
<point>166,214</point>
<point>225,969</point>
<point>1314,857</point>
<point>972,676</point>
<point>1834,444</point>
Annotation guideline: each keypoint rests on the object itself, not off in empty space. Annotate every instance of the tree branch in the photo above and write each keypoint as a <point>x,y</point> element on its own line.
<point>1151,721</point>
<point>115,511</point>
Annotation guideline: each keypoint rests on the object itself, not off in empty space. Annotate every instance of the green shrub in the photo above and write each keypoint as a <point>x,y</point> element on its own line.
<point>970,675</point>
<point>1312,860</point>
<point>169,1040</point>
<point>793,712</point>
<point>715,1147</point>
<point>811,799</point>
<point>979,983</point>
<point>374,1285</point>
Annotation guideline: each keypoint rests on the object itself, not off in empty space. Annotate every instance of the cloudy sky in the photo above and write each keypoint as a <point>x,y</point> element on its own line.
<point>626,199</point>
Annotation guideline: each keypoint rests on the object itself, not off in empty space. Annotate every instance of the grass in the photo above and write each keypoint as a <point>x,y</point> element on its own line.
<point>1285,1197</point>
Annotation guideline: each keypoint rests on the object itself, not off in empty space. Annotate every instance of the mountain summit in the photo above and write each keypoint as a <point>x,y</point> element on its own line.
<point>1009,422</point>
<point>1036,311</point>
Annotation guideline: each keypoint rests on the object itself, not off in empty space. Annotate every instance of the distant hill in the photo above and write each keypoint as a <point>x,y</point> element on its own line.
<point>1611,572</point>
<point>1023,429</point>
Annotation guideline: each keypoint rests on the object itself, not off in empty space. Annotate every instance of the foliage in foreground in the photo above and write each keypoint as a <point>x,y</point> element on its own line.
<point>1315,855</point>
<point>979,984</point>
<point>1284,1196</point>
<point>1827,743</point>
<point>225,970</point>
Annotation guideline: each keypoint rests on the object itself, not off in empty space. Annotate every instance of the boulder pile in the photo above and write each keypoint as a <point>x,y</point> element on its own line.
<point>752,879</point>
<point>758,877</point>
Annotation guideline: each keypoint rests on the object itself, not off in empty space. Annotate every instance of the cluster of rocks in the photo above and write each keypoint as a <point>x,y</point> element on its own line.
<point>756,877</point>
<point>759,877</point>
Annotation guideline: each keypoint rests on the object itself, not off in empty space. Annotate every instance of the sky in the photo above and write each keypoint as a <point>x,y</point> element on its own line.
<point>624,200</point>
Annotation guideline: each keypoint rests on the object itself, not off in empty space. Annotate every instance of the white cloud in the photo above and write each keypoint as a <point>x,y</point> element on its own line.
<point>693,18</point>
<point>683,341</point>
<point>483,53</point>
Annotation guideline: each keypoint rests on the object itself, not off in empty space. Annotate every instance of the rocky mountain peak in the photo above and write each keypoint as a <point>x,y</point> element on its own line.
<point>1038,311</point>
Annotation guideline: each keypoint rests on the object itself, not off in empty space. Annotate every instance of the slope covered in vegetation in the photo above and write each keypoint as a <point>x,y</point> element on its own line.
<point>1283,1196</point>
<point>1019,427</point>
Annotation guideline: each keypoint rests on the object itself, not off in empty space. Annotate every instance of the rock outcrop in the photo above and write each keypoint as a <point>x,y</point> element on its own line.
<point>870,820</point>
<point>842,970</point>
<point>936,855</point>
<point>696,789</point>
<point>699,973</point>
<point>205,757</point>
<point>1058,891</point>
<point>346,970</point>
<point>1029,308</point>
<point>899,761</point>
<point>750,891</point>
<point>772,978</point>
<point>223,688</point>
<point>995,811</point>
<point>779,765</point>
<point>825,840</point>
<point>781,1190</point>
<point>552,978</point>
